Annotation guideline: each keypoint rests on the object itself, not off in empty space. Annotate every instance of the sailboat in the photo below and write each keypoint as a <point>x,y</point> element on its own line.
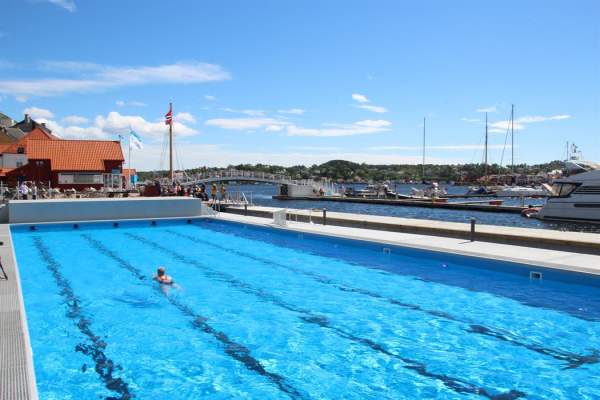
<point>484,189</point>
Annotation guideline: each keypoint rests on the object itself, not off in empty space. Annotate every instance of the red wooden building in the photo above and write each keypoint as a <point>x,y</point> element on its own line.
<point>76,164</point>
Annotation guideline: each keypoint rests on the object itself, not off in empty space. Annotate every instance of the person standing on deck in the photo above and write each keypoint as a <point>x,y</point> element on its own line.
<point>223,192</point>
<point>34,192</point>
<point>213,192</point>
<point>24,191</point>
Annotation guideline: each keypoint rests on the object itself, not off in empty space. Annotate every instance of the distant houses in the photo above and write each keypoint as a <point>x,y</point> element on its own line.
<point>30,152</point>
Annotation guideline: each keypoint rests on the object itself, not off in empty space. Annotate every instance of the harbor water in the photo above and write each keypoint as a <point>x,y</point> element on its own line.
<point>262,195</point>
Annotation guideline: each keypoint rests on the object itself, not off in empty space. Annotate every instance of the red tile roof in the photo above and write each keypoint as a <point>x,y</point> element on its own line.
<point>39,134</point>
<point>75,155</point>
<point>129,171</point>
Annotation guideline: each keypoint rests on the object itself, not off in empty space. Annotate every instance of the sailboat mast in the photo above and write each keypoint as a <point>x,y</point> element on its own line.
<point>485,158</point>
<point>512,138</point>
<point>171,175</point>
<point>423,162</point>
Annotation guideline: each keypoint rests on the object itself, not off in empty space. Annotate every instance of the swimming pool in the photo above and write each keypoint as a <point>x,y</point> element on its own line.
<point>264,313</point>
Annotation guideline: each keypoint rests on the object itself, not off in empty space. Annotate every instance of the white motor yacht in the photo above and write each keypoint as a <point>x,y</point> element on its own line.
<point>576,198</point>
<point>522,191</point>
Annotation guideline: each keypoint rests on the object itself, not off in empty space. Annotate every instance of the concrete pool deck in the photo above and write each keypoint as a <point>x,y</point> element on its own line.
<point>17,379</point>
<point>574,242</point>
<point>555,259</point>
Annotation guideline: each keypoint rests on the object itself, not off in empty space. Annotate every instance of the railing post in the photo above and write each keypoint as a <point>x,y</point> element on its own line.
<point>324,216</point>
<point>472,229</point>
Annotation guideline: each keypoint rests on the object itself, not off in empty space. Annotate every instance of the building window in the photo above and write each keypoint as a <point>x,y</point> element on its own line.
<point>80,179</point>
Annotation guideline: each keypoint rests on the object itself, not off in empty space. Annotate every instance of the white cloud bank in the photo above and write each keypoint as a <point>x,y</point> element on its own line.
<point>364,127</point>
<point>122,103</point>
<point>522,122</point>
<point>292,111</point>
<point>94,77</point>
<point>112,124</point>
<point>36,113</point>
<point>363,100</point>
<point>68,5</point>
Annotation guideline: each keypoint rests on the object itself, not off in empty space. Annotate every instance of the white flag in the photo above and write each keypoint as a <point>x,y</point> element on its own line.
<point>135,141</point>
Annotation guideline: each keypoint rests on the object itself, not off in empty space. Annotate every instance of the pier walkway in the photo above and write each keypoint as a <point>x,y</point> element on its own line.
<point>476,205</point>
<point>578,242</point>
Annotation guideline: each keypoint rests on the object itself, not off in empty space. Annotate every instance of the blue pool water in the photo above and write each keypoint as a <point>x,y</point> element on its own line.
<point>260,313</point>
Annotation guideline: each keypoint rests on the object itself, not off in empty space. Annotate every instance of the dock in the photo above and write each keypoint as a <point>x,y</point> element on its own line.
<point>574,242</point>
<point>467,205</point>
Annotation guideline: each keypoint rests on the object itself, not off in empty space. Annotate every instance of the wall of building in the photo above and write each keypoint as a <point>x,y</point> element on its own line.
<point>9,160</point>
<point>36,211</point>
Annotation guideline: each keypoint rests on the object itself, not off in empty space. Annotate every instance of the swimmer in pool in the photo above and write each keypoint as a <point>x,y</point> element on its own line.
<point>162,277</point>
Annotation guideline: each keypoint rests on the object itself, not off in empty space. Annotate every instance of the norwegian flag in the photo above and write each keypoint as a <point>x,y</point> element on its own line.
<point>169,116</point>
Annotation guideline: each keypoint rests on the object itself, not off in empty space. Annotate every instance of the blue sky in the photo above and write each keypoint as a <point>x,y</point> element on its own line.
<point>302,82</point>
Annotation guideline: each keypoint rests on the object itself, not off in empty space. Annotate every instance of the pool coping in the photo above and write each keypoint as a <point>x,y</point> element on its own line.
<point>17,374</point>
<point>544,258</point>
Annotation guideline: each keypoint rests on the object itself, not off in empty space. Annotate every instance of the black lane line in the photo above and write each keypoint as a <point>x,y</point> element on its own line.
<point>233,349</point>
<point>104,366</point>
<point>456,384</point>
<point>572,360</point>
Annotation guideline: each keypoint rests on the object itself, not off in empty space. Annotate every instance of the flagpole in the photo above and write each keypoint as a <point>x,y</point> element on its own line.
<point>129,163</point>
<point>171,143</point>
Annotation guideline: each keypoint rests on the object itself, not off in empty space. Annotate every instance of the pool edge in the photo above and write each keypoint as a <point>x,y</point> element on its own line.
<point>28,388</point>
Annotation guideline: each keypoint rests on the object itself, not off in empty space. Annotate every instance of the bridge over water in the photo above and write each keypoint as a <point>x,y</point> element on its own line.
<point>228,175</point>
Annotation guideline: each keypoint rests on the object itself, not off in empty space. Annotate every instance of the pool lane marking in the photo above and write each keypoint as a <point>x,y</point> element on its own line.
<point>104,366</point>
<point>237,351</point>
<point>456,384</point>
<point>572,360</point>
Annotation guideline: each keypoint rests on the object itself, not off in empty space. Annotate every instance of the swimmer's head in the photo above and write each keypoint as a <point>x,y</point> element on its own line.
<point>160,271</point>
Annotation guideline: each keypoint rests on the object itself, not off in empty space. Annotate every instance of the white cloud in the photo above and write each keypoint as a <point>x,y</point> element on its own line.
<point>360,98</point>
<point>365,127</point>
<point>458,147</point>
<point>246,123</point>
<point>249,112</point>
<point>491,109</point>
<point>209,97</point>
<point>274,128</point>
<point>21,99</point>
<point>521,123</point>
<point>101,77</point>
<point>37,113</point>
<point>375,109</point>
<point>185,117</point>
<point>470,119</point>
<point>75,120</point>
<point>122,103</point>
<point>293,111</point>
<point>68,5</point>
<point>538,118</point>
<point>253,113</point>
<point>112,124</point>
